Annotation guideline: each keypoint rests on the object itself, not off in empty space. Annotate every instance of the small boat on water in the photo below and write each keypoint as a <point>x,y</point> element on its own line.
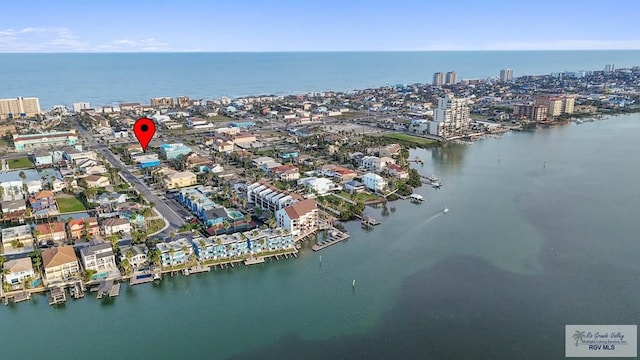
<point>416,198</point>
<point>436,184</point>
<point>432,178</point>
<point>446,210</point>
<point>578,121</point>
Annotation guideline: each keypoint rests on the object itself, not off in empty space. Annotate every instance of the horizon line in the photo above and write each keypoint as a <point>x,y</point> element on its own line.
<point>302,51</point>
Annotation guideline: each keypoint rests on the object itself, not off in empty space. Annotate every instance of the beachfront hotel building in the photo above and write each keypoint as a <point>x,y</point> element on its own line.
<point>162,102</point>
<point>451,78</point>
<point>19,107</point>
<point>452,117</point>
<point>506,75</point>
<point>50,139</point>
<point>531,112</point>
<point>557,104</point>
<point>438,79</point>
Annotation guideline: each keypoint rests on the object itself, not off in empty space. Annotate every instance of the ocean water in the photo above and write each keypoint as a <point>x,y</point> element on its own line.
<point>103,79</point>
<point>542,231</point>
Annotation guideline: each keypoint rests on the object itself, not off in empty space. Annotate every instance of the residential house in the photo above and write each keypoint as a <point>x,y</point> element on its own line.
<point>83,228</point>
<point>96,181</point>
<point>17,270</point>
<point>110,199</point>
<point>13,185</point>
<point>116,225</point>
<point>374,182</point>
<point>222,146</point>
<point>244,140</point>
<point>318,185</point>
<point>90,167</point>
<point>13,209</point>
<point>340,173</point>
<point>179,180</point>
<point>42,158</point>
<point>17,239</point>
<point>286,172</point>
<point>300,218</point>
<point>172,151</point>
<point>136,255</point>
<point>197,163</point>
<point>354,186</point>
<point>60,264</point>
<point>43,204</point>
<point>375,163</point>
<point>397,171</point>
<point>100,258</point>
<point>51,232</point>
<point>175,252</point>
<point>268,197</point>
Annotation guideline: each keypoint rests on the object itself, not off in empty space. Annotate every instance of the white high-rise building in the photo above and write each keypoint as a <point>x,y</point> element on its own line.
<point>452,117</point>
<point>609,68</point>
<point>506,75</point>
<point>19,107</point>
<point>438,79</point>
<point>451,78</point>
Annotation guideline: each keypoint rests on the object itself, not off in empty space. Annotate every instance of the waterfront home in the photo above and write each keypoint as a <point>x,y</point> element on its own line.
<point>268,197</point>
<point>354,186</point>
<point>116,225</point>
<point>136,255</point>
<point>51,232</point>
<point>175,252</point>
<point>179,179</point>
<point>100,258</point>
<point>319,186</point>
<point>14,209</point>
<point>83,228</point>
<point>60,264</point>
<point>17,270</point>
<point>96,181</point>
<point>270,240</point>
<point>397,171</point>
<point>374,182</point>
<point>17,239</point>
<point>299,218</point>
<point>43,204</point>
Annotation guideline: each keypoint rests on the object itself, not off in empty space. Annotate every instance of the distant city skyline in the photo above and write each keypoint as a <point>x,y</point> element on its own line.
<point>251,25</point>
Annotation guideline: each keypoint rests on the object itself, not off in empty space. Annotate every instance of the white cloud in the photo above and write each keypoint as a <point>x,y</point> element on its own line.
<point>60,39</point>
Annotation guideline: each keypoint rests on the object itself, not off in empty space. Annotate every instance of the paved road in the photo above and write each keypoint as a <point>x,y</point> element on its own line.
<point>174,219</point>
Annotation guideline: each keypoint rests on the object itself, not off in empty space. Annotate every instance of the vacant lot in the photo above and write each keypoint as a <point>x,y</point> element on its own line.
<point>69,204</point>
<point>20,163</point>
<point>411,140</point>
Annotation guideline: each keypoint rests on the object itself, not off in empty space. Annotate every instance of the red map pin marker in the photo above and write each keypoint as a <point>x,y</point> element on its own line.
<point>144,128</point>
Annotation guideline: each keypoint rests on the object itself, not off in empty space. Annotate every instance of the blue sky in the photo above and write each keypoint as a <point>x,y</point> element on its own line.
<point>242,25</point>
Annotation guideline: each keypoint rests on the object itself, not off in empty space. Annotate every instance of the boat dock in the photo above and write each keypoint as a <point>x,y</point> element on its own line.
<point>335,236</point>
<point>254,261</point>
<point>57,296</point>
<point>416,160</point>
<point>76,290</point>
<point>141,278</point>
<point>108,288</point>
<point>17,297</point>
<point>369,222</point>
<point>199,269</point>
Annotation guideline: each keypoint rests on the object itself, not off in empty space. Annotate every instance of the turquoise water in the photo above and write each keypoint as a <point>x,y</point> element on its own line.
<point>542,232</point>
<point>107,78</point>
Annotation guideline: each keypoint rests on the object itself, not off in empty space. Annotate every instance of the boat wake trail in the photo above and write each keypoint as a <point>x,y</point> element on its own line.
<point>434,216</point>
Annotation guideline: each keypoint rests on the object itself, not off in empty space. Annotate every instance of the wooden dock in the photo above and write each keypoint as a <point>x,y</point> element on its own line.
<point>141,278</point>
<point>57,296</point>
<point>254,261</point>
<point>335,236</point>
<point>76,290</point>
<point>369,222</point>
<point>108,288</point>
<point>199,269</point>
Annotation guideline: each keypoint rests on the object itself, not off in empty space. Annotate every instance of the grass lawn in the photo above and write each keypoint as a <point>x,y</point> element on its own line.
<point>218,118</point>
<point>360,197</point>
<point>155,225</point>
<point>411,140</point>
<point>70,204</point>
<point>20,163</point>
<point>4,143</point>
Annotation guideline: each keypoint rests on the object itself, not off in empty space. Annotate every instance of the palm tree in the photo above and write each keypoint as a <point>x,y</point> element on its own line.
<point>578,336</point>
<point>172,251</point>
<point>226,226</point>
<point>2,261</point>
<point>22,175</point>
